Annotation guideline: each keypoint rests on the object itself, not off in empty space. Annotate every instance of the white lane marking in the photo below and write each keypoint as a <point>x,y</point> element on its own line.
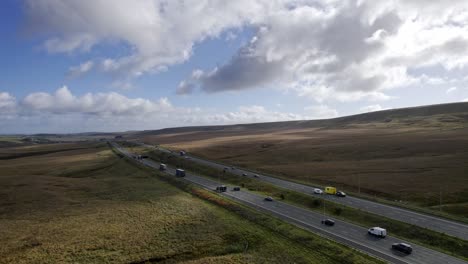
<point>294,219</point>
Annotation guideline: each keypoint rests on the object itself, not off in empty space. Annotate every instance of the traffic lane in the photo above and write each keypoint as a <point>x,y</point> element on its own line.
<point>357,233</point>
<point>441,225</point>
<point>415,218</point>
<point>312,219</point>
<point>353,232</point>
<point>434,223</point>
<point>427,221</point>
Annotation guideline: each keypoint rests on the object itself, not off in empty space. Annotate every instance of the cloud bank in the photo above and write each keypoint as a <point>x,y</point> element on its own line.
<point>328,51</point>
<point>62,111</point>
<point>346,50</point>
<point>325,50</point>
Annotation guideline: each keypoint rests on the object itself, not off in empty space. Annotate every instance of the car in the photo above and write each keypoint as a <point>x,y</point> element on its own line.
<point>236,188</point>
<point>244,174</point>
<point>328,222</point>
<point>318,191</point>
<point>402,247</point>
<point>233,168</point>
<point>341,194</point>
<point>255,175</point>
<point>269,199</point>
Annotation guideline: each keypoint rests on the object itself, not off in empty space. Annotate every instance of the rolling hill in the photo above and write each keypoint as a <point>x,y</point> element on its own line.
<point>414,155</point>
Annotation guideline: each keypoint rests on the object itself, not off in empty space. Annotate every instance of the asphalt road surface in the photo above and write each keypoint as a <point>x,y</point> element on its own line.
<point>343,232</point>
<point>404,215</point>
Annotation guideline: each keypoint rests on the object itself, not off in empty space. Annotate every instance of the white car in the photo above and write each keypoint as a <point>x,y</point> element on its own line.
<point>318,191</point>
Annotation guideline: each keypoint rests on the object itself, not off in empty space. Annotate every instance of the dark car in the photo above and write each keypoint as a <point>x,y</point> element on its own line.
<point>341,194</point>
<point>255,175</point>
<point>328,222</point>
<point>244,174</point>
<point>236,188</point>
<point>269,199</point>
<point>402,247</point>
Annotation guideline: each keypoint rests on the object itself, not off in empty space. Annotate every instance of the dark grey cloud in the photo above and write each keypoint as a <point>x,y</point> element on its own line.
<point>244,71</point>
<point>346,35</point>
<point>306,44</point>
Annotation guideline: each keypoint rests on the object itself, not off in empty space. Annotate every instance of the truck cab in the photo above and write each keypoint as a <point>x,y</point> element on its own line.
<point>221,188</point>
<point>180,173</point>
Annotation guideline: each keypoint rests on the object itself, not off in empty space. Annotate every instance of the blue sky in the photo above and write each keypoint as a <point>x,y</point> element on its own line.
<point>75,66</point>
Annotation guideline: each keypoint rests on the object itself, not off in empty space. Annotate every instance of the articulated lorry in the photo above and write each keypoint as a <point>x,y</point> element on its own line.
<point>180,173</point>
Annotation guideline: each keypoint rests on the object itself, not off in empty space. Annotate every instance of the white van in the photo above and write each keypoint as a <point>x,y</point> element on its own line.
<point>377,231</point>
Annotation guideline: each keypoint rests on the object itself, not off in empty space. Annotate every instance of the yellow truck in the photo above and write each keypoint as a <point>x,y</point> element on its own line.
<point>330,190</point>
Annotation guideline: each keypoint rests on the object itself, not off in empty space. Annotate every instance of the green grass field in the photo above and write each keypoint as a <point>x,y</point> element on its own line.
<point>81,203</point>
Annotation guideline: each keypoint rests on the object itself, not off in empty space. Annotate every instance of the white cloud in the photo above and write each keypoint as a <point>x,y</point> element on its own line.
<point>250,114</point>
<point>372,108</point>
<point>6,100</point>
<point>326,50</point>
<point>159,32</point>
<point>64,102</point>
<point>63,111</point>
<point>320,112</point>
<point>347,50</point>
<point>465,100</point>
<point>451,90</point>
<point>81,69</point>
<point>323,93</point>
<point>7,105</point>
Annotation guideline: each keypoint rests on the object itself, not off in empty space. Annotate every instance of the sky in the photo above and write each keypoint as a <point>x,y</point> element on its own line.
<point>116,65</point>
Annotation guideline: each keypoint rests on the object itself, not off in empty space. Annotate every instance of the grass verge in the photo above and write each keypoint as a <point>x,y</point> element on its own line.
<point>458,208</point>
<point>331,250</point>
<point>423,236</point>
<point>92,206</point>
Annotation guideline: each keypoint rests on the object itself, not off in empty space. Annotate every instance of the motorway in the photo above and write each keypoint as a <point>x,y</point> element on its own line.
<point>404,215</point>
<point>343,232</point>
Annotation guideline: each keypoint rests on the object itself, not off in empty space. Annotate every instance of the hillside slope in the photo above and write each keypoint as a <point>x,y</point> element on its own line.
<point>411,155</point>
<point>443,113</point>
